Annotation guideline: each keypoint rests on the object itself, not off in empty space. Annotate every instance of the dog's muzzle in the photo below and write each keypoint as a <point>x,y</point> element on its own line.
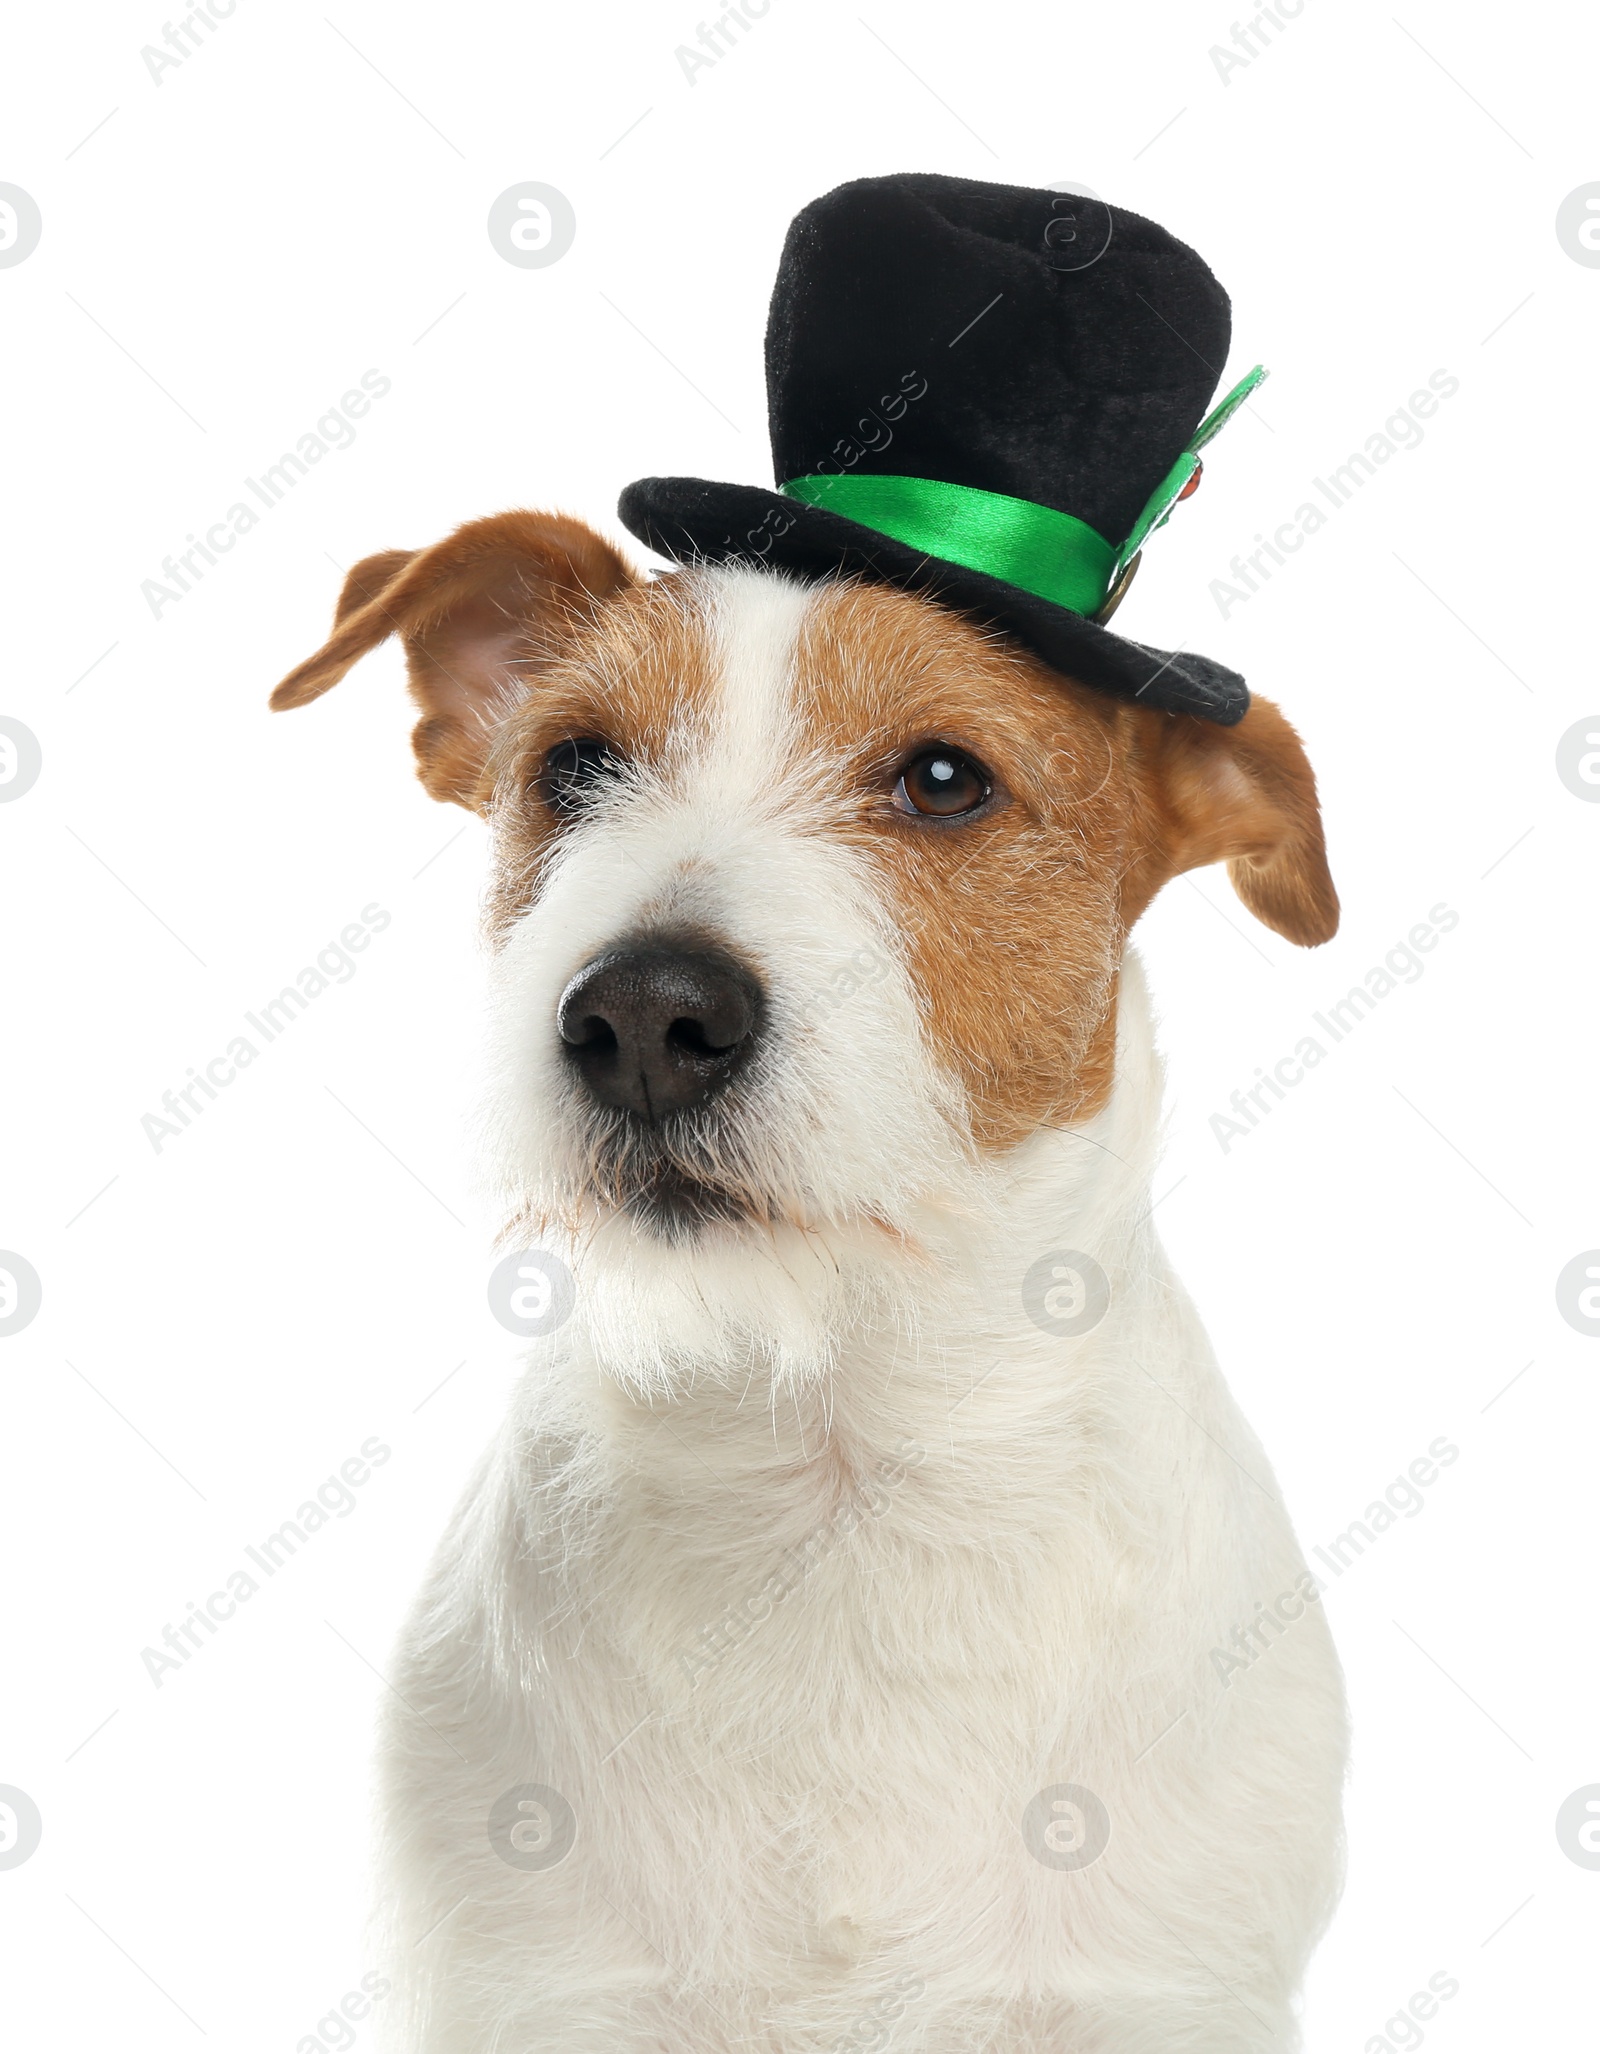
<point>658,1027</point>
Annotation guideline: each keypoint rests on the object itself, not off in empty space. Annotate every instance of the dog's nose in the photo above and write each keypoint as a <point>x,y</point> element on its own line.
<point>657,1028</point>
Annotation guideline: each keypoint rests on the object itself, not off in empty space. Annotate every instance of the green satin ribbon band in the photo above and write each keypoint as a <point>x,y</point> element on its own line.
<point>1053,555</point>
<point>1050,554</point>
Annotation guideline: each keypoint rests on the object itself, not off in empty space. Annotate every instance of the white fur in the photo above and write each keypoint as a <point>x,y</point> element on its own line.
<point>805,1559</point>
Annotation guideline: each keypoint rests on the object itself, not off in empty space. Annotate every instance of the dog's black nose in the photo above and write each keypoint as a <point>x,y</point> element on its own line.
<point>657,1027</point>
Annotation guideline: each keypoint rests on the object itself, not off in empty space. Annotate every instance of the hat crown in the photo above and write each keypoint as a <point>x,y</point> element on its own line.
<point>1020,341</point>
<point>987,394</point>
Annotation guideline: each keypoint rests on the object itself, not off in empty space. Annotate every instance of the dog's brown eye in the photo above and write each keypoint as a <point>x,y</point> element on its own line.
<point>570,772</point>
<point>942,781</point>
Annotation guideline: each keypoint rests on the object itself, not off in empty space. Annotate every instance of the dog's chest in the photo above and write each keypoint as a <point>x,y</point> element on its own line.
<point>816,1706</point>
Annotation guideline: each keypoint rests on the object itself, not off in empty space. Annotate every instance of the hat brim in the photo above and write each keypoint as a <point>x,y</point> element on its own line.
<point>692,520</point>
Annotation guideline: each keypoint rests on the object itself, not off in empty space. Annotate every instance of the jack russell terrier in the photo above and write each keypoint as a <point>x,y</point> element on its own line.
<point>823,1655</point>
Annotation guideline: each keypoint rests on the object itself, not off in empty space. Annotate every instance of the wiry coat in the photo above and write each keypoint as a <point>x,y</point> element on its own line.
<point>813,1560</point>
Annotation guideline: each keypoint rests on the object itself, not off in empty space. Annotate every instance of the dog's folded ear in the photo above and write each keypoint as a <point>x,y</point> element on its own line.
<point>480,613</point>
<point>1244,795</point>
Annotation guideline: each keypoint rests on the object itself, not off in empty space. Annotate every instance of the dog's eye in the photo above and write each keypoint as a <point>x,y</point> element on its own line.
<point>571,769</point>
<point>942,780</point>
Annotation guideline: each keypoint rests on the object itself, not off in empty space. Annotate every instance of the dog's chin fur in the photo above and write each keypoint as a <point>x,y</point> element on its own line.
<point>679,1208</point>
<point>704,1289</point>
<point>737,1305</point>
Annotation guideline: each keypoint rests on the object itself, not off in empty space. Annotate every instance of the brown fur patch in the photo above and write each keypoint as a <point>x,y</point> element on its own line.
<point>642,679</point>
<point>1014,920</point>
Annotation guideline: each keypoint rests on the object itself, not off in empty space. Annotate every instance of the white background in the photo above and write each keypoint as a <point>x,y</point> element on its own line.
<point>225,1321</point>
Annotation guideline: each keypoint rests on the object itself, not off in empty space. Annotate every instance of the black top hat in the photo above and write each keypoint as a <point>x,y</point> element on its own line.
<point>988,394</point>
